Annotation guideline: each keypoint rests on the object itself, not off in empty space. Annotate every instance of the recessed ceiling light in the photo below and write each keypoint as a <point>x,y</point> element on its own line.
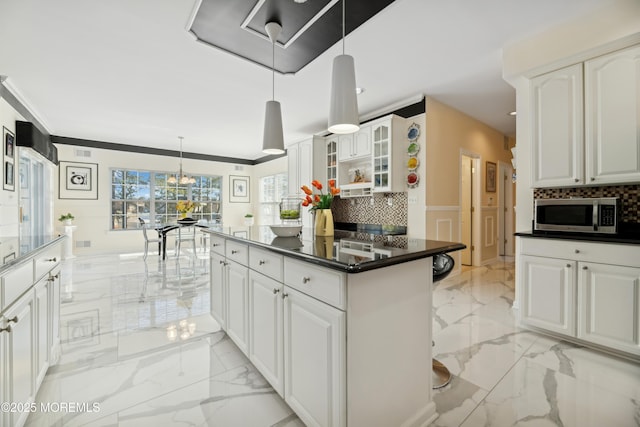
<point>513,113</point>
<point>359,90</point>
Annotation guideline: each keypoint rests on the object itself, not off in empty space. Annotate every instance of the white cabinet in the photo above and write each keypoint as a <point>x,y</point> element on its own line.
<point>41,315</point>
<point>609,301</point>
<point>355,145</point>
<point>585,290</point>
<point>548,293</point>
<point>557,128</point>
<point>266,328</point>
<point>218,288</point>
<point>586,122</point>
<point>237,304</point>
<point>314,359</point>
<point>612,117</point>
<point>18,335</point>
<point>306,162</point>
<point>331,145</point>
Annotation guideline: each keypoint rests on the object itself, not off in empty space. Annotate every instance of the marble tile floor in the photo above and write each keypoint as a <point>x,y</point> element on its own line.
<point>137,340</point>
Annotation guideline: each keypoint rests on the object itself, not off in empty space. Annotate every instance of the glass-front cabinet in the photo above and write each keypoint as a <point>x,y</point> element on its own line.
<point>332,158</point>
<point>381,156</point>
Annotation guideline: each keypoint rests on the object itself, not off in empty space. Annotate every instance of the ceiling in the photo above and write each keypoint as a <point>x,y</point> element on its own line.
<point>130,72</point>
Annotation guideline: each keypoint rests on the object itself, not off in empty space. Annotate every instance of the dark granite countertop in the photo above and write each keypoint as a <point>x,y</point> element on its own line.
<point>14,250</point>
<point>345,251</point>
<point>623,238</point>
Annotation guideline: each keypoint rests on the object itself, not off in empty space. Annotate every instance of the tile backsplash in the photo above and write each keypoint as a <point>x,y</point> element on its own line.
<point>360,209</point>
<point>629,196</point>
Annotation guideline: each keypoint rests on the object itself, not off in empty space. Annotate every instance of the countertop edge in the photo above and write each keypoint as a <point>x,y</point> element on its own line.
<point>351,268</point>
<point>29,255</point>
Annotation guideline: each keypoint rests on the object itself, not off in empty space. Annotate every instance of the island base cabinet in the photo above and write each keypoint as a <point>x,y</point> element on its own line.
<point>41,307</point>
<point>217,271</point>
<point>314,360</point>
<point>266,328</point>
<point>609,304</point>
<point>237,298</point>
<point>548,293</point>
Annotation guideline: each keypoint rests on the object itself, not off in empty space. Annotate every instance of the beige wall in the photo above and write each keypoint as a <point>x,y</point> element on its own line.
<point>449,133</point>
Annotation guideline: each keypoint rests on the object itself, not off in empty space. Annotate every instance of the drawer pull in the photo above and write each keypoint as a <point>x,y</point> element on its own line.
<point>54,259</point>
<point>585,267</point>
<point>223,263</point>
<point>577,251</point>
<point>284,295</point>
<point>568,265</point>
<point>7,329</point>
<point>275,290</point>
<point>306,279</point>
<point>14,319</point>
<point>262,262</point>
<point>215,244</point>
<point>233,252</point>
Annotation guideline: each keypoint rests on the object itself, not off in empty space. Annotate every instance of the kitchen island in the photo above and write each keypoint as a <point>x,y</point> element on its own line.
<point>340,326</point>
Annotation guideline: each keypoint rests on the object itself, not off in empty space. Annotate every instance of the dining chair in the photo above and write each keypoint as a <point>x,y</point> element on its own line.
<point>185,233</point>
<point>147,240</point>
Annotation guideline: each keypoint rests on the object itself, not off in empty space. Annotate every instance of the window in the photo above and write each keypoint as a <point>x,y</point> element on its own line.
<point>272,189</point>
<point>148,195</point>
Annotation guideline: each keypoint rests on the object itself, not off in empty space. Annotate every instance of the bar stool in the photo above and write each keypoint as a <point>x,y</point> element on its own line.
<point>442,266</point>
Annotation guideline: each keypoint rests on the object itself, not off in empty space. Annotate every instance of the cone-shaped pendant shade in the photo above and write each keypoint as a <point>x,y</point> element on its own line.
<point>273,139</point>
<point>343,112</point>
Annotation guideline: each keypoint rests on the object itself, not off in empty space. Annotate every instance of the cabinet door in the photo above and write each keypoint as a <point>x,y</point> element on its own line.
<point>20,352</point>
<point>362,142</point>
<point>314,358</point>
<point>548,287</point>
<point>332,157</point>
<point>609,304</point>
<point>218,289</point>
<point>41,330</point>
<point>306,174</point>
<point>238,304</point>
<point>54,307</point>
<point>345,147</point>
<point>612,112</point>
<point>557,128</point>
<point>265,329</point>
<point>293,173</point>
<point>381,136</point>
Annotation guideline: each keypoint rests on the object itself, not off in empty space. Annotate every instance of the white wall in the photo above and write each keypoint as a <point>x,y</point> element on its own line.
<point>9,207</point>
<point>612,27</point>
<point>93,216</point>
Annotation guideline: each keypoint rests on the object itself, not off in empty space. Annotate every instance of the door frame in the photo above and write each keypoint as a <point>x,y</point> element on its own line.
<point>505,200</point>
<point>475,203</point>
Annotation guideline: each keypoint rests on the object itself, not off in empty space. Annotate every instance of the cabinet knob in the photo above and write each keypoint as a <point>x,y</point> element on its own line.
<point>284,295</point>
<point>585,267</point>
<point>233,252</point>
<point>576,180</point>
<point>14,319</point>
<point>7,329</point>
<point>568,265</point>
<point>593,179</point>
<point>306,279</point>
<point>54,259</point>
<point>275,290</point>
<point>577,251</point>
<point>215,244</point>
<point>262,262</point>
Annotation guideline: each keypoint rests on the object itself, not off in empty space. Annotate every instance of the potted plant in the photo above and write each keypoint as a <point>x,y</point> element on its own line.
<point>248,220</point>
<point>66,218</point>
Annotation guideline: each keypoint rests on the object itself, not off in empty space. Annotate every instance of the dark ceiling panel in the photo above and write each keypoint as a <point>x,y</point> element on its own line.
<point>218,23</point>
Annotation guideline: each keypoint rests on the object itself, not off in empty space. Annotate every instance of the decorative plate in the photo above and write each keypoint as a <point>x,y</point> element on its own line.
<point>413,149</point>
<point>412,163</point>
<point>412,179</point>
<point>414,132</point>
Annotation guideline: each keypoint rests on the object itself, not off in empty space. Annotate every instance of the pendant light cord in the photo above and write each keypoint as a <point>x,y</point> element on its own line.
<point>273,70</point>
<point>343,8</point>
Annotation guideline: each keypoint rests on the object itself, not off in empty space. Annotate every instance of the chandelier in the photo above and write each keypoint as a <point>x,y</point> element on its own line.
<point>180,177</point>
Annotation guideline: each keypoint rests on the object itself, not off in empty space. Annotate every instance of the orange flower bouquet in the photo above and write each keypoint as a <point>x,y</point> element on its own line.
<point>322,200</point>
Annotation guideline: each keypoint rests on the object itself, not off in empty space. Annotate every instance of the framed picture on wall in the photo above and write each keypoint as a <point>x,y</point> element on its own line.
<point>8,155</point>
<point>78,180</point>
<point>239,189</point>
<point>490,178</point>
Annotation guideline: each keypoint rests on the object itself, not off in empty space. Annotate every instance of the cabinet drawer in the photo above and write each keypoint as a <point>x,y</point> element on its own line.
<point>604,253</point>
<point>217,244</point>
<point>45,261</point>
<point>238,252</point>
<point>321,283</point>
<point>266,262</point>
<point>14,283</point>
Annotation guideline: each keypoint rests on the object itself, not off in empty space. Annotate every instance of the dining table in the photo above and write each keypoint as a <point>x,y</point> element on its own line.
<point>163,230</point>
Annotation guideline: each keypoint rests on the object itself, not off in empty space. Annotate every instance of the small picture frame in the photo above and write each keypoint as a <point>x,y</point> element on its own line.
<point>239,189</point>
<point>9,161</point>
<point>78,181</point>
<point>490,178</point>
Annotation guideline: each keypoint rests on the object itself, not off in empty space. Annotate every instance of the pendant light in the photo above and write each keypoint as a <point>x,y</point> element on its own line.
<point>343,111</point>
<point>273,139</point>
<point>181,177</point>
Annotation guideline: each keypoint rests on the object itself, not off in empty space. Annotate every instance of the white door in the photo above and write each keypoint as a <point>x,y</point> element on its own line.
<point>265,329</point>
<point>609,306</point>
<point>548,291</point>
<point>314,360</point>
<point>505,211</point>
<point>466,217</point>
<point>557,128</point>
<point>41,311</point>
<point>20,356</point>
<point>612,109</point>
<point>238,304</point>
<point>217,270</point>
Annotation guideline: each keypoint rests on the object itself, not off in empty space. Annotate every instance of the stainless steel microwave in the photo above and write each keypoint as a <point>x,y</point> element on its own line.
<point>588,215</point>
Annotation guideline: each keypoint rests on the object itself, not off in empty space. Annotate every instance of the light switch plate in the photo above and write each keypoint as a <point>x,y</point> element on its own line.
<point>413,200</point>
